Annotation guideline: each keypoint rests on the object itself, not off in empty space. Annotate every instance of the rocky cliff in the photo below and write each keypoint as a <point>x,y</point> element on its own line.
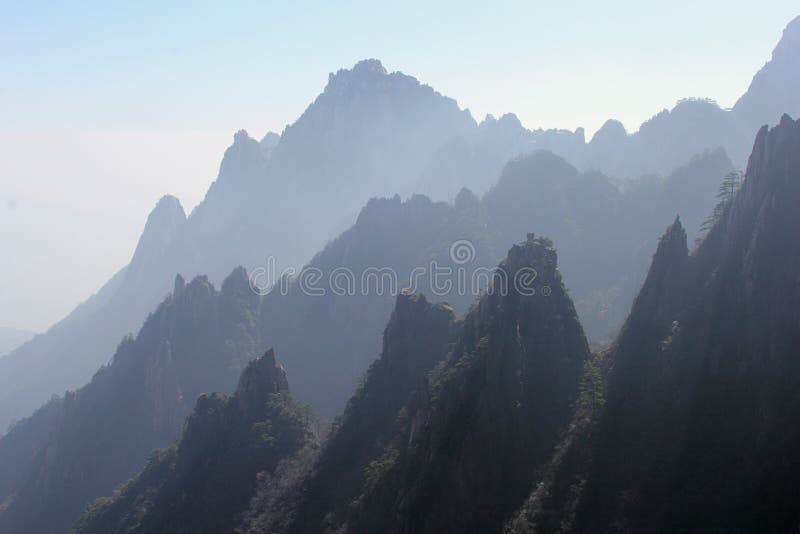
<point>203,483</point>
<point>697,432</point>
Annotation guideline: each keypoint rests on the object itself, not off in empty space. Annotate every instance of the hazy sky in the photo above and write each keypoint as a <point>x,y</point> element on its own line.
<point>104,109</point>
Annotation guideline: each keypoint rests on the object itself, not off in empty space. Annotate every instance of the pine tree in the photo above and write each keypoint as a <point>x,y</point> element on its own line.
<point>727,192</point>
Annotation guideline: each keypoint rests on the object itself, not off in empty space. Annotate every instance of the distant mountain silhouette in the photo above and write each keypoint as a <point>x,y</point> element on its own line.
<point>81,446</point>
<point>697,432</point>
<point>507,375</point>
<point>685,424</point>
<point>369,133</point>
<point>326,342</point>
<point>500,419</point>
<point>603,256</point>
<point>226,441</point>
<point>775,87</point>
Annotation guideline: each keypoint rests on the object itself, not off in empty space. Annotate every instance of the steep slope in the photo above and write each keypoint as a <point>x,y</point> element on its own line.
<point>671,137</point>
<point>474,159</point>
<point>370,132</point>
<point>75,449</point>
<point>198,340</point>
<point>603,256</point>
<point>467,444</point>
<point>376,127</point>
<point>775,87</point>
<point>69,353</point>
<point>329,340</point>
<point>698,431</point>
<point>415,339</point>
<point>692,126</point>
<point>204,483</point>
<point>360,273</point>
<point>411,451</point>
<point>395,237</point>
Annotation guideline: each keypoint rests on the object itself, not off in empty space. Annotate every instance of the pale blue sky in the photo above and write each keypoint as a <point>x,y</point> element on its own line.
<point>108,105</point>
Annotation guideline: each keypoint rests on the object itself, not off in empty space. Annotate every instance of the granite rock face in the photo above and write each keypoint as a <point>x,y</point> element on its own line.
<point>697,433</point>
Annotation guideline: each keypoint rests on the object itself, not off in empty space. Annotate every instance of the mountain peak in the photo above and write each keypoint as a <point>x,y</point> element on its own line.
<point>262,378</point>
<point>241,160</point>
<point>270,141</point>
<point>466,201</point>
<point>775,86</point>
<point>709,337</point>
<point>161,229</point>
<point>237,279</point>
<point>790,40</point>
<point>508,120</point>
<point>612,131</point>
<point>505,389</point>
<point>241,136</point>
<point>534,253</point>
<point>769,142</point>
<point>674,237</point>
<point>366,69</point>
<point>372,66</point>
<point>663,290</point>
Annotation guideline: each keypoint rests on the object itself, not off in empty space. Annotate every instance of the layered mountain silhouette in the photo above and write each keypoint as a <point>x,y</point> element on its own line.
<point>696,433</point>
<point>199,339</point>
<point>84,444</point>
<point>684,424</point>
<point>418,335</point>
<point>327,341</point>
<point>604,258</point>
<point>228,442</point>
<point>501,419</point>
<point>774,88</point>
<point>411,236</point>
<point>490,413</point>
<point>369,133</point>
<point>512,365</point>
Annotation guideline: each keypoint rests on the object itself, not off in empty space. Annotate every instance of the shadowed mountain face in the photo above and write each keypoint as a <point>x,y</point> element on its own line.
<point>327,341</point>
<point>370,132</point>
<point>81,446</point>
<point>450,448</point>
<point>603,256</point>
<point>228,442</point>
<point>504,393</point>
<point>685,424</point>
<point>233,442</point>
<point>197,342</point>
<point>415,340</point>
<point>67,355</point>
<point>501,418</point>
<point>698,431</point>
<point>606,257</point>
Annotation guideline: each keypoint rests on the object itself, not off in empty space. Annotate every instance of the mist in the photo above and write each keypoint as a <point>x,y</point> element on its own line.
<point>289,270</point>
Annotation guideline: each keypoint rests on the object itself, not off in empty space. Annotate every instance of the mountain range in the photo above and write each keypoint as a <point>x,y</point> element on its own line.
<point>595,378</point>
<point>503,419</point>
<point>327,342</point>
<point>368,133</point>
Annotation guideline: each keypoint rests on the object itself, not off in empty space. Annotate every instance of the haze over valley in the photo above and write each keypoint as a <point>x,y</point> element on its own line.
<point>392,310</point>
